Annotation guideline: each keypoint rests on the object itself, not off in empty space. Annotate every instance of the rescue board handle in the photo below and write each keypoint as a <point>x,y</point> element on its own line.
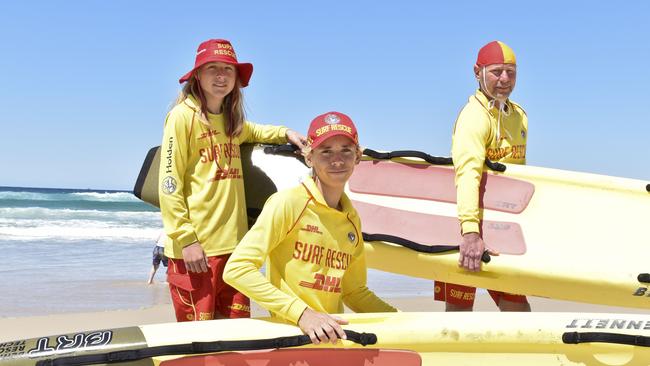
<point>422,248</point>
<point>602,337</point>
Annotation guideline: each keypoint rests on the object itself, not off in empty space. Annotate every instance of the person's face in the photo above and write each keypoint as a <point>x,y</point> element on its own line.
<point>217,79</point>
<point>334,160</point>
<point>498,80</point>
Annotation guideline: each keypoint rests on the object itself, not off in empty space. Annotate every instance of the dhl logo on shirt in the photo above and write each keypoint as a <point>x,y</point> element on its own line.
<point>311,229</point>
<point>323,283</point>
<point>515,152</point>
<point>228,173</point>
<point>208,134</point>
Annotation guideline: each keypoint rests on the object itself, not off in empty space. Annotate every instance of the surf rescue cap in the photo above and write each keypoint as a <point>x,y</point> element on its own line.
<point>495,52</point>
<point>219,50</point>
<point>331,124</point>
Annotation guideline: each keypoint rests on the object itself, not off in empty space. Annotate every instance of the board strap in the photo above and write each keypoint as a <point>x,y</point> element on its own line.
<point>433,160</point>
<point>289,151</point>
<point>363,339</point>
<point>422,248</point>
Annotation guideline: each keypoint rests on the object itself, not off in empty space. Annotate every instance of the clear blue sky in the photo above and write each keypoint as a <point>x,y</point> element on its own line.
<point>87,84</point>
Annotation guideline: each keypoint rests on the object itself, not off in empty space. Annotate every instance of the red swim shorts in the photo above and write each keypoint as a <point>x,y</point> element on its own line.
<point>464,295</point>
<point>204,296</point>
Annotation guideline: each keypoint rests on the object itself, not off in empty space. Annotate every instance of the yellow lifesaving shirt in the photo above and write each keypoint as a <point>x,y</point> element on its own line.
<point>478,134</point>
<point>315,257</point>
<point>201,186</point>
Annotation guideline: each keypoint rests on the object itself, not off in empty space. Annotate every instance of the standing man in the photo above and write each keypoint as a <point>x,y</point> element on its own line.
<point>489,126</point>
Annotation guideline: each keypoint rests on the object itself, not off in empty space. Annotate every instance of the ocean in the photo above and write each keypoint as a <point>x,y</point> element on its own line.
<point>73,250</point>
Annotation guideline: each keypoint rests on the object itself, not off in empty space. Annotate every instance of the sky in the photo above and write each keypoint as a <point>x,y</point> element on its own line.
<point>87,84</point>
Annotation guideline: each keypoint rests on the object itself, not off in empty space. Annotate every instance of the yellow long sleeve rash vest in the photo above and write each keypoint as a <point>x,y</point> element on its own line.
<point>483,131</point>
<point>201,186</point>
<point>315,257</point>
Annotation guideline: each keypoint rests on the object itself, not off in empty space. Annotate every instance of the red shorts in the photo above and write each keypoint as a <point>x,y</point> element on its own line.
<point>464,295</point>
<point>205,296</point>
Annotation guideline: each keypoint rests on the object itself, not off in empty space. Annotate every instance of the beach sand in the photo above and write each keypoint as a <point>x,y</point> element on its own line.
<point>36,326</point>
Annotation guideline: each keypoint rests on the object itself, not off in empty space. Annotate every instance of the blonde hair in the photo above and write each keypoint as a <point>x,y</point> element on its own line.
<point>233,105</point>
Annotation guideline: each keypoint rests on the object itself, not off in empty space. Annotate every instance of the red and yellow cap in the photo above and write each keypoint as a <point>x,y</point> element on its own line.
<point>495,52</point>
<point>219,50</point>
<point>331,124</point>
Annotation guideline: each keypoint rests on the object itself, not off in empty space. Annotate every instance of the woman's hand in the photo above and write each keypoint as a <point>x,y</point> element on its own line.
<point>195,259</point>
<point>296,139</point>
<point>321,327</point>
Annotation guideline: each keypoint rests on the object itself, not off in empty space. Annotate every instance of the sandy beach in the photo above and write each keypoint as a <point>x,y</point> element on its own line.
<point>36,326</point>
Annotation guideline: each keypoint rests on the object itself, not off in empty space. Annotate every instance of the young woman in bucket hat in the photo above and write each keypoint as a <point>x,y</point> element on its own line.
<point>201,185</point>
<point>311,235</point>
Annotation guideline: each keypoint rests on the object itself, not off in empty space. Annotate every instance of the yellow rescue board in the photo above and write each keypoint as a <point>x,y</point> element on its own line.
<point>561,234</point>
<point>437,338</point>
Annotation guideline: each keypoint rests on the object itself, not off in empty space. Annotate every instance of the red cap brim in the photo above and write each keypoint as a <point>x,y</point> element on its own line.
<point>244,70</point>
